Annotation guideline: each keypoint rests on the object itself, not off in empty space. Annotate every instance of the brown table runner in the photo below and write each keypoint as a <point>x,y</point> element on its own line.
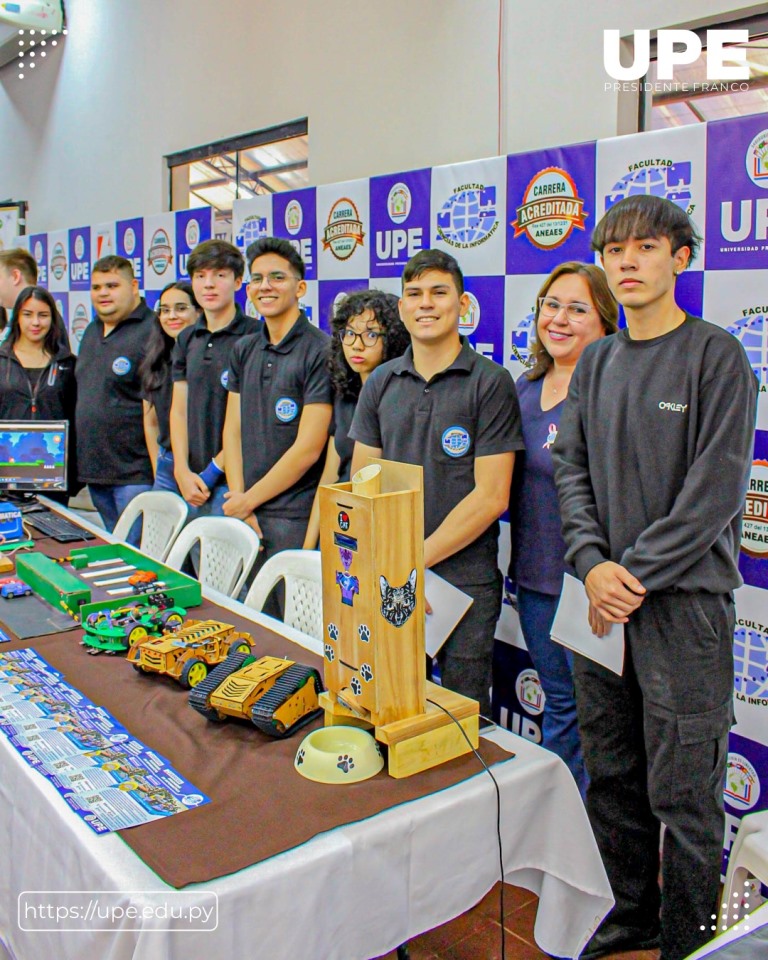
<point>259,805</point>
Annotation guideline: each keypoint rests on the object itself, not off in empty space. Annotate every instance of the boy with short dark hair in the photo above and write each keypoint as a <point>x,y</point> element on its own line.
<point>651,464</point>
<point>280,403</point>
<point>112,455</point>
<point>454,412</point>
<point>200,372</point>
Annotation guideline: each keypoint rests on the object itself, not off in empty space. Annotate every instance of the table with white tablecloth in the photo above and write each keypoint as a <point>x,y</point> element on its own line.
<point>353,892</point>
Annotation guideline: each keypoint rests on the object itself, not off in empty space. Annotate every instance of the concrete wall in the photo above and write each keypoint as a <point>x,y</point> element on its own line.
<point>387,85</point>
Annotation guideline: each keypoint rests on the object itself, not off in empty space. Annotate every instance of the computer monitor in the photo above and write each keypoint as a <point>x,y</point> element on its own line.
<point>33,455</point>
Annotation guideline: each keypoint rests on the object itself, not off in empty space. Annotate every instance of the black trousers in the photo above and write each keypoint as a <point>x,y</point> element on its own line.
<point>655,743</point>
<point>466,657</point>
<point>279,534</point>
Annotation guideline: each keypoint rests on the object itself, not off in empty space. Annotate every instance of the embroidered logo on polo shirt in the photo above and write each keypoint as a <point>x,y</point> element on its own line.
<point>286,409</point>
<point>225,379</point>
<point>455,441</point>
<point>121,366</point>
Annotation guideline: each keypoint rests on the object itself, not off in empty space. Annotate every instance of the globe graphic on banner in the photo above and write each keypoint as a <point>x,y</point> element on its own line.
<point>253,229</point>
<point>468,217</point>
<point>672,182</point>
<point>523,338</point>
<point>750,656</point>
<point>751,333</point>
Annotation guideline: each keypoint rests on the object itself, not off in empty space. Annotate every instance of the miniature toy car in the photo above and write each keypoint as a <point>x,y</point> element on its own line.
<point>11,587</point>
<point>188,653</point>
<point>117,630</point>
<point>277,696</point>
<point>142,581</point>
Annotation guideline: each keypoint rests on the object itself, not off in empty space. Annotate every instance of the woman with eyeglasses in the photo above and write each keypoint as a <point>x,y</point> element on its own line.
<point>574,308</point>
<point>367,330</point>
<point>37,371</point>
<point>176,309</point>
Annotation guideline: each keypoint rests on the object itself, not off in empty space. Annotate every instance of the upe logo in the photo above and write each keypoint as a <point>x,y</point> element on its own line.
<point>468,217</point>
<point>756,160</point>
<point>225,379</point>
<point>742,785</point>
<point>286,409</point>
<point>455,441</point>
<point>399,203</point>
<point>79,246</point>
<point>38,252</point>
<point>344,231</point>
<point>550,210</point>
<point>470,321</point>
<point>657,177</point>
<point>667,57</point>
<point>529,692</point>
<point>159,255</point>
<point>192,234</point>
<point>129,241</point>
<point>294,217</point>
<point>58,261</point>
<point>121,366</point>
<point>754,526</point>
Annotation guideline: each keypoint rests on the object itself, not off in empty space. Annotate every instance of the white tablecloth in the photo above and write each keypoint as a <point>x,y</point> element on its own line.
<point>354,892</point>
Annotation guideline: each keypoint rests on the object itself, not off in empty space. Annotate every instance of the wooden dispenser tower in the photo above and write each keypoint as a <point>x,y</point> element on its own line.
<point>372,545</point>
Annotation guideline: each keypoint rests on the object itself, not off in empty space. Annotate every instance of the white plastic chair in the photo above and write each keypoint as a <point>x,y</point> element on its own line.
<point>228,550</point>
<point>303,589</point>
<point>749,855</point>
<point>163,513</point>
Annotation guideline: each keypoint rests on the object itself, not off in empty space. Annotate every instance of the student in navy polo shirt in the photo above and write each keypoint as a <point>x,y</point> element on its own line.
<point>454,412</point>
<point>200,370</point>
<point>574,308</point>
<point>279,407</point>
<point>112,455</point>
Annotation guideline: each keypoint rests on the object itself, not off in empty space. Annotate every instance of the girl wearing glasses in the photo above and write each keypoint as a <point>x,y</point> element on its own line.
<point>176,309</point>
<point>574,308</point>
<point>366,330</point>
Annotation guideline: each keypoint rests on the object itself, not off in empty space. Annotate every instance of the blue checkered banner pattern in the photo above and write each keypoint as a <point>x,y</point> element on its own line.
<point>509,221</point>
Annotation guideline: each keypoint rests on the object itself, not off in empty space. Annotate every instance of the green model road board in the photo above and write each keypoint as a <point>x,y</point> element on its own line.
<point>73,585</point>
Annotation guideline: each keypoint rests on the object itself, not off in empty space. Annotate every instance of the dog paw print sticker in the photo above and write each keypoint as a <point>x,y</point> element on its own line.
<point>330,656</point>
<point>333,632</point>
<point>364,633</point>
<point>366,673</point>
<point>357,687</point>
<point>300,757</point>
<point>346,763</point>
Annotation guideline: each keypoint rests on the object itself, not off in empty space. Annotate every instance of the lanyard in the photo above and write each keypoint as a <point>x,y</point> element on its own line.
<point>52,369</point>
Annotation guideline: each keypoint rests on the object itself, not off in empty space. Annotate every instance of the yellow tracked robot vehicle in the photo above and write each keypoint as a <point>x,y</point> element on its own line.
<point>277,696</point>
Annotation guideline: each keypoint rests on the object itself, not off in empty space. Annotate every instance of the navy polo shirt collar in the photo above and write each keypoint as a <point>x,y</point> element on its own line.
<point>464,362</point>
<point>289,340</point>
<point>140,313</point>
<point>236,325</point>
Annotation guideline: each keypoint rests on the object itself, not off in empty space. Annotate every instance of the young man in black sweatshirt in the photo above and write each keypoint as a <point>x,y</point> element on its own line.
<point>651,464</point>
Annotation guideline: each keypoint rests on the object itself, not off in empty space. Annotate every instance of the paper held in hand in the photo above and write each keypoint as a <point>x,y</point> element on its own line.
<point>571,629</point>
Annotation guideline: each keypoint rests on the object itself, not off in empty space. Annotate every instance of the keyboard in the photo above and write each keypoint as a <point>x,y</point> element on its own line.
<point>56,527</point>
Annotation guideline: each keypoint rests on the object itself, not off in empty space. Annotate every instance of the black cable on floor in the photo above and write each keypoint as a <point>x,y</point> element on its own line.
<point>498,821</point>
